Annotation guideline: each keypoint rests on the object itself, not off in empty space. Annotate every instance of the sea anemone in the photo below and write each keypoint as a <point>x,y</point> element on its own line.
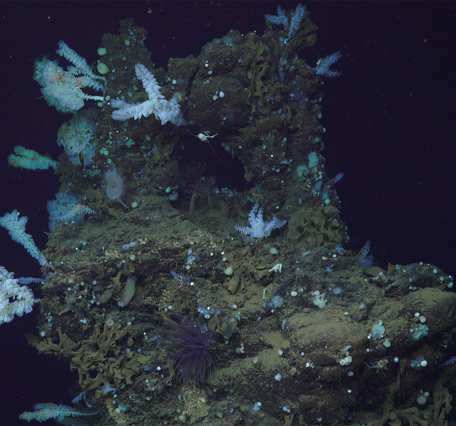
<point>191,350</point>
<point>113,185</point>
<point>109,323</point>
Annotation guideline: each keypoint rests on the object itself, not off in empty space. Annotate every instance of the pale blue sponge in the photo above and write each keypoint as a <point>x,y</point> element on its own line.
<point>66,207</point>
<point>76,137</point>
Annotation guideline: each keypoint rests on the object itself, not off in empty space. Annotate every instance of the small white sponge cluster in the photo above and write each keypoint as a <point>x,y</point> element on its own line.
<point>258,228</point>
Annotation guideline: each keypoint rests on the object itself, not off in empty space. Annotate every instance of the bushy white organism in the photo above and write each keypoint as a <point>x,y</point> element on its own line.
<point>14,298</point>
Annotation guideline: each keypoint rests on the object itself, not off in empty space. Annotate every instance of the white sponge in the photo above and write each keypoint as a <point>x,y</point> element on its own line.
<point>21,296</point>
<point>157,104</point>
